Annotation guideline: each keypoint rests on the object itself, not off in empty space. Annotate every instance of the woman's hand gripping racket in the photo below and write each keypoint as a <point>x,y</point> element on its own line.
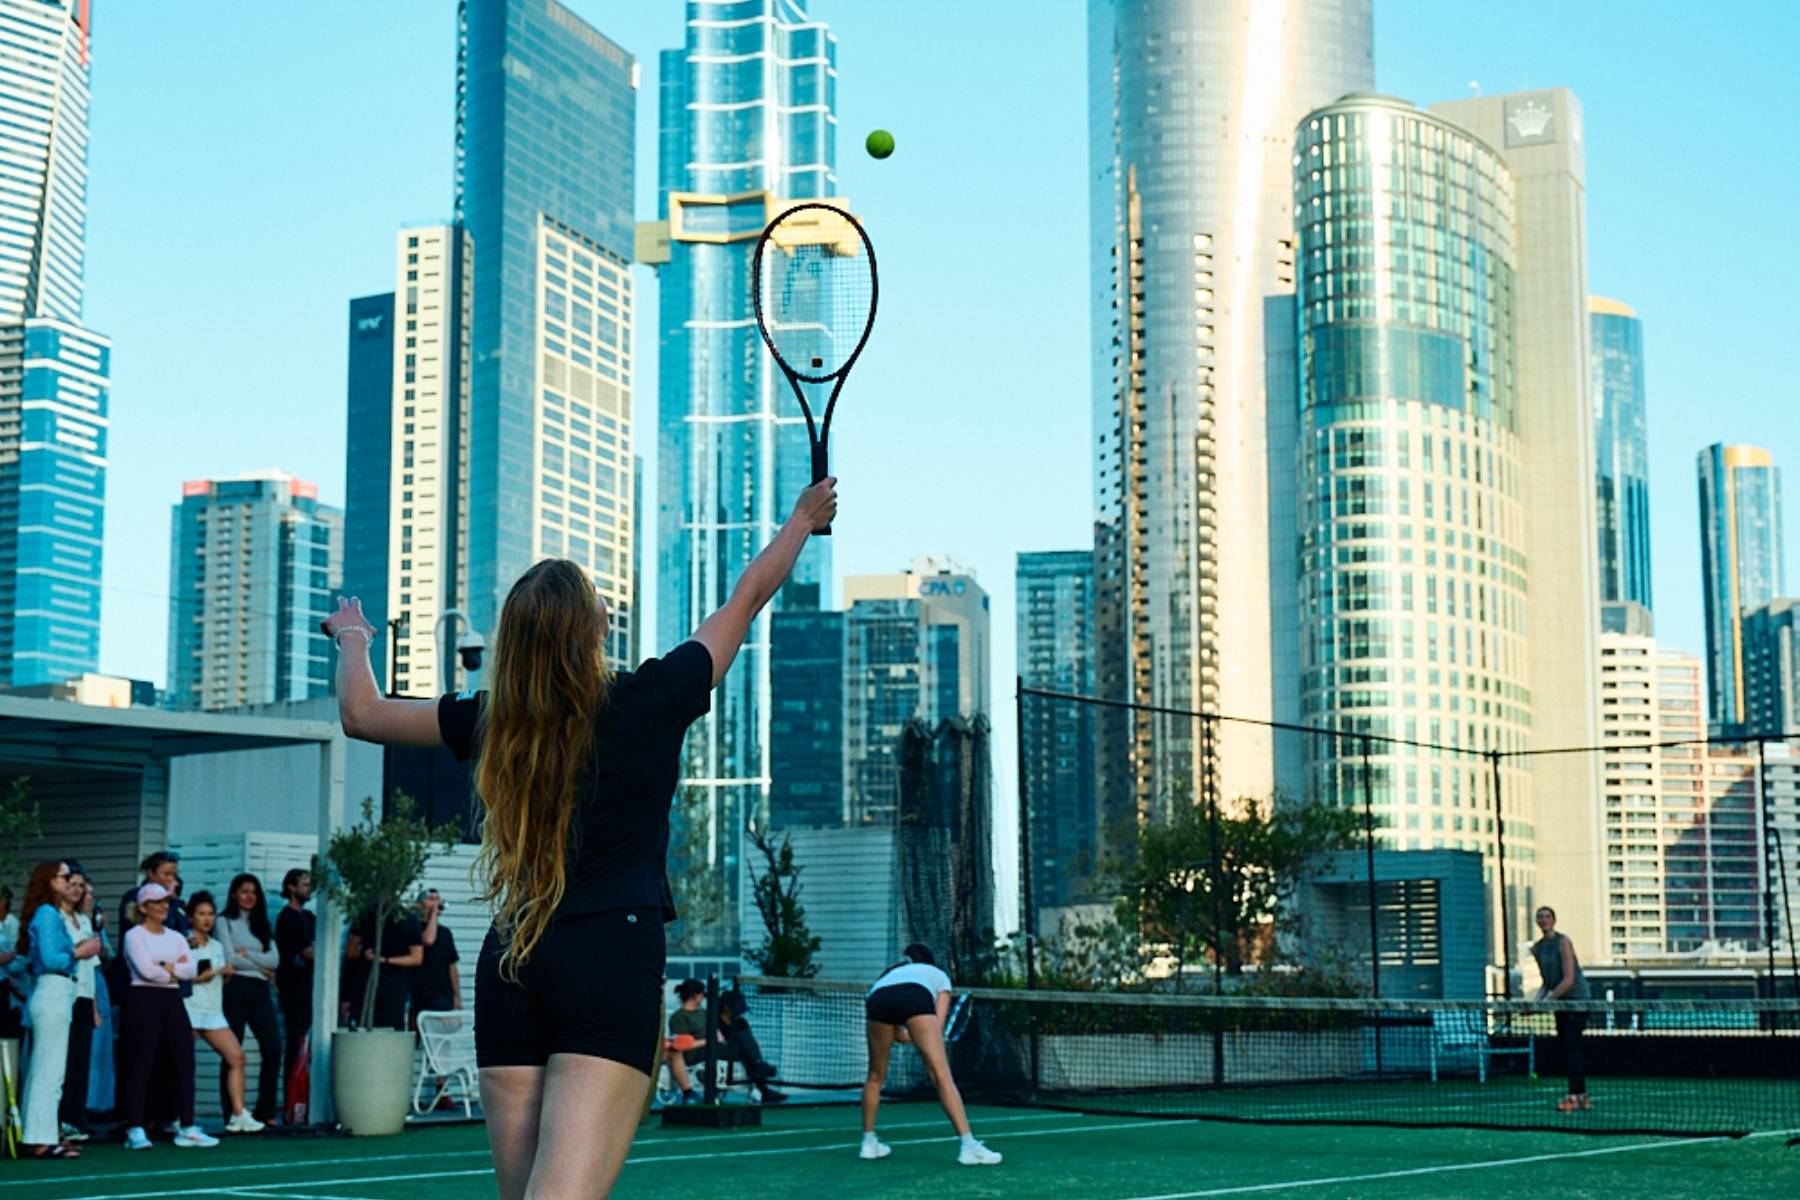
<point>815,290</point>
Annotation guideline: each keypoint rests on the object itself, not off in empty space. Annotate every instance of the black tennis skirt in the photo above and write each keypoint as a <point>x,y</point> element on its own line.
<point>593,986</point>
<point>898,1003</point>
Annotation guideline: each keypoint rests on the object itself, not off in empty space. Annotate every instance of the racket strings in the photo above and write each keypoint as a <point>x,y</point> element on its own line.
<point>816,298</point>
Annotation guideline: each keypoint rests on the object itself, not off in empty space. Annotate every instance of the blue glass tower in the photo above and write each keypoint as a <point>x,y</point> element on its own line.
<point>1622,450</point>
<point>1056,653</point>
<point>251,563</point>
<point>545,112</point>
<point>367,446</point>
<point>53,372</point>
<point>1741,566</point>
<point>747,124</point>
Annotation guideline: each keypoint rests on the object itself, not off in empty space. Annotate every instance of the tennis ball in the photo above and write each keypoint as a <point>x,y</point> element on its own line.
<point>879,144</point>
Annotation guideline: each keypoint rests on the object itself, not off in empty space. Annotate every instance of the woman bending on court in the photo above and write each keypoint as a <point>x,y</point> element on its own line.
<point>1563,980</point>
<point>910,1003</point>
<point>576,767</point>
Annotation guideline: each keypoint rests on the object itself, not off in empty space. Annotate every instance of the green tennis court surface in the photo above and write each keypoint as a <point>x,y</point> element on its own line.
<point>811,1152</point>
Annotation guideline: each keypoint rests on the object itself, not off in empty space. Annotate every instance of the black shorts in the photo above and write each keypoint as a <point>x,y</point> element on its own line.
<point>898,1003</point>
<point>593,986</point>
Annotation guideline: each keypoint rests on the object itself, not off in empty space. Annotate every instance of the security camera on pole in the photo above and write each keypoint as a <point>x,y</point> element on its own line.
<point>469,647</point>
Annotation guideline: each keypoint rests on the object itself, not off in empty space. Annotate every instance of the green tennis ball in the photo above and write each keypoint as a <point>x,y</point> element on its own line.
<point>879,144</point>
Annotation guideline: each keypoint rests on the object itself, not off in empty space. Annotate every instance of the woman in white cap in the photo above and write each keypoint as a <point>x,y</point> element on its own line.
<point>159,1036</point>
<point>910,1003</point>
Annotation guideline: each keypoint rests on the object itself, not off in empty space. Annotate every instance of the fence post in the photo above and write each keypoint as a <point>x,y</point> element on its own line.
<point>1368,804</point>
<point>1218,914</point>
<point>1505,946</point>
<point>711,1082</point>
<point>1027,899</point>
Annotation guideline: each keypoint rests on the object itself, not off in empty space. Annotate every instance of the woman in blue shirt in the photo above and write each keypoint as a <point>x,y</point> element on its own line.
<point>46,943</point>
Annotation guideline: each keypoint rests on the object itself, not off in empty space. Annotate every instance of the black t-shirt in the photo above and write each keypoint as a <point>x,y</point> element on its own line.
<point>398,936</point>
<point>293,934</point>
<point>622,829</point>
<point>432,980</point>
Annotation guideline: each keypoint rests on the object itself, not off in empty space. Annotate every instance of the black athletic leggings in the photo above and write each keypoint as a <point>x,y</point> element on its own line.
<point>159,1048</point>
<point>73,1109</point>
<point>249,1002</point>
<point>1569,1027</point>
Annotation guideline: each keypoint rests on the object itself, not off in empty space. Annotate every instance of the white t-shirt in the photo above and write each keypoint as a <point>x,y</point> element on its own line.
<point>208,997</point>
<point>923,974</point>
<point>81,928</point>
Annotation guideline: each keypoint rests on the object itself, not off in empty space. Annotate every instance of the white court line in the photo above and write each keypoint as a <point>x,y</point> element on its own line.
<point>280,1189</point>
<point>682,1138</point>
<point>281,1195</point>
<point>1438,1170</point>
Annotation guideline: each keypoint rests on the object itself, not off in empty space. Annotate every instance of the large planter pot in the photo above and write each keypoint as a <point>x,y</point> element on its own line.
<point>371,1078</point>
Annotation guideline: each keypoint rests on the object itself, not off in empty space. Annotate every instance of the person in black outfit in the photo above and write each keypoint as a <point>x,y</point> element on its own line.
<point>402,950</point>
<point>437,985</point>
<point>576,767</point>
<point>294,933</point>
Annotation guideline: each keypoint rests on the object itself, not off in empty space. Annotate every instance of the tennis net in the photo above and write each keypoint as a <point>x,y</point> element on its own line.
<point>1709,1067</point>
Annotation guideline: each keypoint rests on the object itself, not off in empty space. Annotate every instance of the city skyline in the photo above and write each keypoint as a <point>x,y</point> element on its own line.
<point>924,454</point>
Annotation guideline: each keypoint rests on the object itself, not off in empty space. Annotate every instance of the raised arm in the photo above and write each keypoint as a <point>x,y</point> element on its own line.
<point>724,632</point>
<point>367,714</point>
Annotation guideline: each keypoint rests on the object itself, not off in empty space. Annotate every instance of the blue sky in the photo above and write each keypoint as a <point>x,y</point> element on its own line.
<point>250,164</point>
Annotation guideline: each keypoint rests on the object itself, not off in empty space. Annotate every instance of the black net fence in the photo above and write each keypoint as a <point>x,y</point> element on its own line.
<point>1358,854</point>
<point>944,843</point>
<point>1706,1068</point>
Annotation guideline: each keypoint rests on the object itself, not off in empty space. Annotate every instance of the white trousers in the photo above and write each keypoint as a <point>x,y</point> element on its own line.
<point>52,1004</point>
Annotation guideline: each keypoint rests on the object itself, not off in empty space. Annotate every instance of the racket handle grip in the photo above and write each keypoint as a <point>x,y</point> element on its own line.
<point>821,468</point>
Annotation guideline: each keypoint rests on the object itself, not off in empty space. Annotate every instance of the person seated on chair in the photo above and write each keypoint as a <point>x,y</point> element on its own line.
<point>687,1041</point>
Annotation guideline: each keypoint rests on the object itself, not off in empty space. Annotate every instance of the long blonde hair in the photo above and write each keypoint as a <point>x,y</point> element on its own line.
<point>549,680</point>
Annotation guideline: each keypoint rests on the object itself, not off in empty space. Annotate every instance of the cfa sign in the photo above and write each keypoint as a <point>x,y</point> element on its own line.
<point>943,587</point>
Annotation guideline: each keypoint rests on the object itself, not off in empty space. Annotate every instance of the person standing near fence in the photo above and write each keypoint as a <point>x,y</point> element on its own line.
<point>84,1018</point>
<point>437,984</point>
<point>1563,980</point>
<point>53,953</point>
<point>295,931</point>
<point>249,944</point>
<point>160,1041</point>
<point>206,1010</point>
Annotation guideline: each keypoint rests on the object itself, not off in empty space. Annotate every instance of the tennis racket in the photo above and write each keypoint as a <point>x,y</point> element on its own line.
<point>815,291</point>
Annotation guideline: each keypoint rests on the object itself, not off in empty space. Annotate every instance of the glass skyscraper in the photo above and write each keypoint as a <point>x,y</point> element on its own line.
<point>1191,116</point>
<point>1741,566</point>
<point>369,389</point>
<point>1622,451</point>
<point>747,116</point>
<point>1408,474</point>
<point>806,723</point>
<point>53,372</point>
<point>251,564</point>
<point>545,112</point>
<point>1055,597</point>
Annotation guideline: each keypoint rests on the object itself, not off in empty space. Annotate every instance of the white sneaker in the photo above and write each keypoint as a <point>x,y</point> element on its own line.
<point>195,1137</point>
<point>974,1154</point>
<point>136,1138</point>
<point>243,1122</point>
<point>71,1134</point>
<point>873,1148</point>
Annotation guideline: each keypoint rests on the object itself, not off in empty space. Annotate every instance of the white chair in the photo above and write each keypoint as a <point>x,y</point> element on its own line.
<point>1462,1033</point>
<point>448,1039</point>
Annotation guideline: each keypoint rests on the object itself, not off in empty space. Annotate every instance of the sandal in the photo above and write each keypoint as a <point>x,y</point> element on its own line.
<point>60,1150</point>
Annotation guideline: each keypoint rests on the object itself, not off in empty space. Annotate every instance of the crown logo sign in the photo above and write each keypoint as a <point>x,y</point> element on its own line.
<point>1530,119</point>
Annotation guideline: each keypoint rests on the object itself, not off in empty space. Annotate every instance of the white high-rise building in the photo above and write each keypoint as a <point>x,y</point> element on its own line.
<point>428,466</point>
<point>1540,137</point>
<point>1192,110</point>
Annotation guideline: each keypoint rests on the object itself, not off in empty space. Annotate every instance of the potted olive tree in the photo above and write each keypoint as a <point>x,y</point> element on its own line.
<point>369,869</point>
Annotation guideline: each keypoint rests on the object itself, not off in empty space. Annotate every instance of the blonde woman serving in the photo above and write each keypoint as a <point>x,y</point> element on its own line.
<point>576,767</point>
